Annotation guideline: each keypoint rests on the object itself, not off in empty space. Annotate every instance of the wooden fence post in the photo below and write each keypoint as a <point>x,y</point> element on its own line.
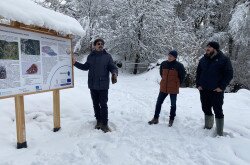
<point>56,109</point>
<point>20,122</point>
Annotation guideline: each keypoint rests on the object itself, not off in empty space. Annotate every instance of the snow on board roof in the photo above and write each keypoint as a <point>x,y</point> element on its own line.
<point>30,13</point>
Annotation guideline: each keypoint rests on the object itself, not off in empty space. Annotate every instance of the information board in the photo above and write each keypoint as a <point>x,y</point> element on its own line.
<point>32,62</point>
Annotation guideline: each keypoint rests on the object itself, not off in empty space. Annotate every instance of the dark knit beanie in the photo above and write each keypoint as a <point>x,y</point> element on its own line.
<point>173,53</point>
<point>214,45</point>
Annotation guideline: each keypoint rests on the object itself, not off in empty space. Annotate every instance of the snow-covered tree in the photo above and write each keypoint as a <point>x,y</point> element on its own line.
<point>239,28</point>
<point>192,30</point>
<point>94,15</point>
<point>143,29</point>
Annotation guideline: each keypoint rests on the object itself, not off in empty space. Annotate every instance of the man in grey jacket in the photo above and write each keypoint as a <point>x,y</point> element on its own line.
<point>99,63</point>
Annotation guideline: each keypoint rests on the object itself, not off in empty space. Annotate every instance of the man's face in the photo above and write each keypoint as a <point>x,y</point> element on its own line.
<point>99,46</point>
<point>210,50</point>
<point>170,58</point>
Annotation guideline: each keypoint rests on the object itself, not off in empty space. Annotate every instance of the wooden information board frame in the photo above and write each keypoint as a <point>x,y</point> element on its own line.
<point>19,99</point>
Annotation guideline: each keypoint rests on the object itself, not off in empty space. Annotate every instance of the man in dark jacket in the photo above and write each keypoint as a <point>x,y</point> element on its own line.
<point>172,73</point>
<point>99,63</point>
<point>214,72</point>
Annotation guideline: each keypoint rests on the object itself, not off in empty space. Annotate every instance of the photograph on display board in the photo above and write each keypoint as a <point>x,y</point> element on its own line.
<point>3,74</point>
<point>48,51</point>
<point>9,50</point>
<point>30,47</point>
<point>31,68</point>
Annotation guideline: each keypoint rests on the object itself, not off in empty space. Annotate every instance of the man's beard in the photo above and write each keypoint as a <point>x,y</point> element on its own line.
<point>99,49</point>
<point>210,54</point>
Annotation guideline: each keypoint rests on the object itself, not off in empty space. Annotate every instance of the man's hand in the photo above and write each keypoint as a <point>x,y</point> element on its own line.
<point>114,78</point>
<point>218,90</point>
<point>74,60</point>
<point>199,88</point>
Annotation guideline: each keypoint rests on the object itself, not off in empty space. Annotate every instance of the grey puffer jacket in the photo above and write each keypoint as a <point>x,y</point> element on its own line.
<point>99,65</point>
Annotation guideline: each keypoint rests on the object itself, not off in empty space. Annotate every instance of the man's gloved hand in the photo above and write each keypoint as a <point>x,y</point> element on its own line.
<point>114,78</point>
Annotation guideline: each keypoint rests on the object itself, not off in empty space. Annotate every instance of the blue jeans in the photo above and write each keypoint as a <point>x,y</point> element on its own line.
<point>160,100</point>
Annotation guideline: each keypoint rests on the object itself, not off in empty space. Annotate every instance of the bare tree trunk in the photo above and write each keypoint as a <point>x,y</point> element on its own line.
<point>230,46</point>
<point>91,26</point>
<point>136,63</point>
<point>137,58</point>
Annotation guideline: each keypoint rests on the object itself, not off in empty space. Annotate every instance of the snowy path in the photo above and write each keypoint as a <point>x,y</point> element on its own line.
<point>133,141</point>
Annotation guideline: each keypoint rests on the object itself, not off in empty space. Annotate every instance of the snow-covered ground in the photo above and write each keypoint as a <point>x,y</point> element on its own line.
<point>133,141</point>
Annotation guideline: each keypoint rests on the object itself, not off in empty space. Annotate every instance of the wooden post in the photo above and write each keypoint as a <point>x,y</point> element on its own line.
<point>56,109</point>
<point>20,122</point>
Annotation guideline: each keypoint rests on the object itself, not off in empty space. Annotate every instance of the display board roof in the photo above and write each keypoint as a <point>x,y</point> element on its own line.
<point>30,13</point>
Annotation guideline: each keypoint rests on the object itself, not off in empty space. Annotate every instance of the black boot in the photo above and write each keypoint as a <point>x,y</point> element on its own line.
<point>105,128</point>
<point>171,121</point>
<point>98,125</point>
<point>154,121</point>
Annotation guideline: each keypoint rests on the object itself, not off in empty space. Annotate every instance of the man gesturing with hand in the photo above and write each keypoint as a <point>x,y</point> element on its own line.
<point>99,64</point>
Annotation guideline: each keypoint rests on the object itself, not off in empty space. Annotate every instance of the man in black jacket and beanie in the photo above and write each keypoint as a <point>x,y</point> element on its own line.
<point>214,72</point>
<point>99,63</point>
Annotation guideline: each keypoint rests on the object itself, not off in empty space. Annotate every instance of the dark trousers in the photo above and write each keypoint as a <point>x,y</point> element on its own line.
<point>211,99</point>
<point>100,100</point>
<point>160,100</point>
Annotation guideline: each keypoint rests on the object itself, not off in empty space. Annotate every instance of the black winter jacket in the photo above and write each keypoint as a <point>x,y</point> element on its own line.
<point>99,65</point>
<point>214,72</point>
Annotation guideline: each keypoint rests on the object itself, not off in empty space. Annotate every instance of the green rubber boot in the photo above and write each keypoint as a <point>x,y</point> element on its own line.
<point>219,126</point>
<point>209,121</point>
